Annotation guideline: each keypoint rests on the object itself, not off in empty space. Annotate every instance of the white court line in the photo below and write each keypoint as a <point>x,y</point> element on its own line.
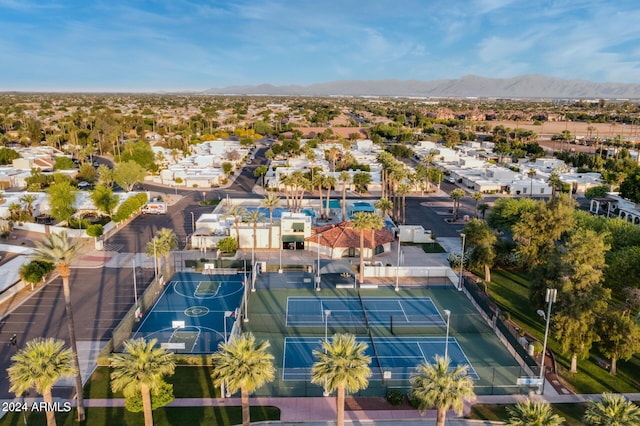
<point>403,312</point>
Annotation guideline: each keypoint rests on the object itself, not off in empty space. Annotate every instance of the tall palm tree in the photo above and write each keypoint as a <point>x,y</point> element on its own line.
<point>477,197</point>
<point>58,249</point>
<point>243,365</point>
<point>456,195</point>
<point>141,368</point>
<point>155,249</point>
<point>345,179</point>
<point>237,213</point>
<point>482,208</point>
<point>437,385</point>
<point>343,366</point>
<point>554,183</point>
<point>403,190</point>
<point>169,242</point>
<point>612,410</point>
<point>362,222</point>
<point>533,413</point>
<point>318,182</point>
<point>385,206</point>
<point>40,365</point>
<point>254,217</point>
<point>329,182</point>
<point>271,202</point>
<point>531,173</point>
<point>375,223</point>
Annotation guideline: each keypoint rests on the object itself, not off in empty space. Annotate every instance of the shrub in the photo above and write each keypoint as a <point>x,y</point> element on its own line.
<point>395,396</point>
<point>131,205</point>
<point>228,245</point>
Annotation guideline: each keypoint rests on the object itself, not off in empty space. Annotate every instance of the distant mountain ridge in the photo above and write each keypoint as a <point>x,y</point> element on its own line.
<point>526,86</point>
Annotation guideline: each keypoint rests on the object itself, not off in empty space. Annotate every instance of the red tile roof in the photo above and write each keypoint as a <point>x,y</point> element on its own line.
<point>342,235</point>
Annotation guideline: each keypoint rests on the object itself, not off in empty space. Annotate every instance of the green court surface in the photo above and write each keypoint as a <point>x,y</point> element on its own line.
<point>496,368</point>
<point>207,288</point>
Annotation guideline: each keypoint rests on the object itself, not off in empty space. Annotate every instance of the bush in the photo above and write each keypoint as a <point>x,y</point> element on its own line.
<point>395,396</point>
<point>228,245</point>
<point>131,205</point>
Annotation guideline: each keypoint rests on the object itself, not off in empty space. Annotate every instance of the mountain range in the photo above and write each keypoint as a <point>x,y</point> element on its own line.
<point>526,86</point>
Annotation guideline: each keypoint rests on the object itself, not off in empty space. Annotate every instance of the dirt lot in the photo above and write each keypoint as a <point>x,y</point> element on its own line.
<point>602,130</point>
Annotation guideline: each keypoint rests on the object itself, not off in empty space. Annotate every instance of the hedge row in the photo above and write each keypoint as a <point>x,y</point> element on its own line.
<point>131,205</point>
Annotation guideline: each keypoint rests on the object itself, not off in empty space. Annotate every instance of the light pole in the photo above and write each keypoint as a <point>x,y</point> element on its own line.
<point>246,300</point>
<point>253,268</point>
<point>327,312</point>
<point>193,223</point>
<point>446,340</point>
<point>318,270</point>
<point>550,298</point>
<point>398,266</point>
<point>461,264</point>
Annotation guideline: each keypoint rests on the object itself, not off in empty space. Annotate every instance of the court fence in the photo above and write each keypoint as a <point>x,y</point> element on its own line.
<point>125,328</point>
<point>493,381</point>
<point>502,328</point>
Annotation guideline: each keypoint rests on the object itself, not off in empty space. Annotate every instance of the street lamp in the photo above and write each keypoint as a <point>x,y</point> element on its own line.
<point>253,267</point>
<point>446,340</point>
<point>461,264</point>
<point>550,298</point>
<point>398,266</point>
<point>318,268</point>
<point>327,312</point>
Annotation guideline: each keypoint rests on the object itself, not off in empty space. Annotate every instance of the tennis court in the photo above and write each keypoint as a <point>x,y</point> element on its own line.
<point>194,313</point>
<point>391,357</point>
<point>365,311</point>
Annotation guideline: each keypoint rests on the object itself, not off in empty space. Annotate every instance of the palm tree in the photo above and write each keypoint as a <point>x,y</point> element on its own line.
<point>385,206</point>
<point>237,213</point>
<point>58,249</point>
<point>29,199</point>
<point>362,222</point>
<point>318,182</point>
<point>343,366</point>
<point>40,365</point>
<point>155,249</point>
<point>141,368</point>
<point>168,241</point>
<point>329,182</point>
<point>531,173</point>
<point>271,202</point>
<point>243,365</point>
<point>530,413</point>
<point>345,179</point>
<point>483,207</point>
<point>456,195</point>
<point>254,217</point>
<point>555,183</point>
<point>437,385</point>
<point>612,410</point>
<point>403,190</point>
<point>477,196</point>
<point>375,223</point>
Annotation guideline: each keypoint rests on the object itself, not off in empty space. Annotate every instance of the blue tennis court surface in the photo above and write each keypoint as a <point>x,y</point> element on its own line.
<point>189,315</point>
<point>398,356</point>
<point>374,311</point>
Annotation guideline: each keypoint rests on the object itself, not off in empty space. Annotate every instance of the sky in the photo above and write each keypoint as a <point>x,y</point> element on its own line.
<point>194,45</point>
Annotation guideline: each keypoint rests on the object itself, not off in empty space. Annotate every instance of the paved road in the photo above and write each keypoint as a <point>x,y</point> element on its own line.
<point>100,298</point>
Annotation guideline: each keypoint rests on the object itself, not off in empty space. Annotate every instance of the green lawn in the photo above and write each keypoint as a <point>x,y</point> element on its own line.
<point>188,382</point>
<point>162,416</point>
<point>498,412</point>
<point>510,291</point>
<point>428,247</point>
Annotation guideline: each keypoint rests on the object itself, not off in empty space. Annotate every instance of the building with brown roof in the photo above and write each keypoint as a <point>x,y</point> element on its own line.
<point>341,240</point>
